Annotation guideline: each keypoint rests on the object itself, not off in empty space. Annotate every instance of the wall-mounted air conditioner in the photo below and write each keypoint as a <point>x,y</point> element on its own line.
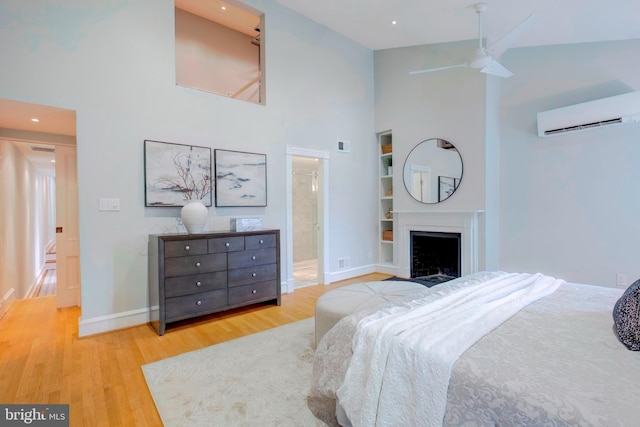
<point>615,110</point>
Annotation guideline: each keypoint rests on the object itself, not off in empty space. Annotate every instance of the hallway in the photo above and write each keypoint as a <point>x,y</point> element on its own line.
<point>47,282</point>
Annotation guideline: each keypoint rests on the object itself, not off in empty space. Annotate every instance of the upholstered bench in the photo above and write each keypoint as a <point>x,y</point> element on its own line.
<point>338,303</point>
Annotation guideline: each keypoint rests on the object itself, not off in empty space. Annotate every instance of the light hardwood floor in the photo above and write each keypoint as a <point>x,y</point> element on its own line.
<point>42,360</point>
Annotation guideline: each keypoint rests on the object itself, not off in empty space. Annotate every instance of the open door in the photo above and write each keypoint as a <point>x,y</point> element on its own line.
<point>67,230</point>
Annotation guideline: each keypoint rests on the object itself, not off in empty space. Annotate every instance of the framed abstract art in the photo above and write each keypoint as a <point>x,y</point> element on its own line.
<point>241,178</point>
<point>176,174</point>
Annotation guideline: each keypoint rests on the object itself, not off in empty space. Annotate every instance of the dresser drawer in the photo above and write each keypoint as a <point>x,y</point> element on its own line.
<point>260,241</point>
<point>244,276</point>
<point>250,258</point>
<point>253,292</point>
<point>185,248</point>
<point>226,244</point>
<point>185,285</point>
<point>195,264</point>
<point>193,305</point>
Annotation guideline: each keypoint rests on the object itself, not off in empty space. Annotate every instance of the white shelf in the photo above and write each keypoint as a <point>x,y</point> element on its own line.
<point>386,248</point>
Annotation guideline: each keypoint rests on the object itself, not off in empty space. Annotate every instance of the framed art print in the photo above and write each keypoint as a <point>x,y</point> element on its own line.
<point>176,174</point>
<point>241,178</point>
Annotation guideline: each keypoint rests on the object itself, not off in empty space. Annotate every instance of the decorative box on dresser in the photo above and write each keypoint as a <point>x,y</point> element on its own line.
<point>193,275</point>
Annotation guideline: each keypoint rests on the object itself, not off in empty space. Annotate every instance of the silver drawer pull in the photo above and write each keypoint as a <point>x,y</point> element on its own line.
<point>198,302</point>
<point>253,291</point>
<point>198,283</point>
<point>253,275</point>
<point>227,244</point>
<point>261,241</point>
<point>186,248</point>
<point>197,264</point>
<point>253,257</point>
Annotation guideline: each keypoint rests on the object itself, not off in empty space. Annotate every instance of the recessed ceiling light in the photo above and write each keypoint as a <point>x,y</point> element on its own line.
<point>394,22</point>
<point>35,119</point>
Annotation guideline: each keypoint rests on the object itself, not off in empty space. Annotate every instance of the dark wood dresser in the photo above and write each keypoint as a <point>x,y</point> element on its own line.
<point>192,275</point>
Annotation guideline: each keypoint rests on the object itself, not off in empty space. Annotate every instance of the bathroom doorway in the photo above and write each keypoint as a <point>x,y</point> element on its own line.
<point>305,220</point>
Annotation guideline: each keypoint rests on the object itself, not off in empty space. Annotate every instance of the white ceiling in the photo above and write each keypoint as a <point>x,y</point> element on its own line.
<point>16,115</point>
<point>234,15</point>
<point>368,22</point>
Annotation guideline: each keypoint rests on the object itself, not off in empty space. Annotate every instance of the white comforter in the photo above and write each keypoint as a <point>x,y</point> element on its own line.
<point>403,355</point>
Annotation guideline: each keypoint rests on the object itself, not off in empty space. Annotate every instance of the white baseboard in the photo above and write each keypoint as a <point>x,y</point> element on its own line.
<point>287,286</point>
<point>330,277</point>
<point>6,301</point>
<point>387,269</point>
<point>351,272</point>
<point>112,322</point>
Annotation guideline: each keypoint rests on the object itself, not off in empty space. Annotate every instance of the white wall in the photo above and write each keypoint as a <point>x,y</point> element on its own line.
<point>569,204</point>
<point>113,63</point>
<point>447,105</point>
<point>565,206</point>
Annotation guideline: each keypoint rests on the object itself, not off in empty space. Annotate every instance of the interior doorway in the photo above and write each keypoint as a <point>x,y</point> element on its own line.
<point>45,141</point>
<point>305,220</point>
<point>315,177</point>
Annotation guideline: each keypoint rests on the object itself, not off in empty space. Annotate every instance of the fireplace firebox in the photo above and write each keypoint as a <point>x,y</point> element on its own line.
<point>435,255</point>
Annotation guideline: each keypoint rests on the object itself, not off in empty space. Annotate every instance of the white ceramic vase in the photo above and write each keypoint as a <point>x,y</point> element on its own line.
<point>194,216</point>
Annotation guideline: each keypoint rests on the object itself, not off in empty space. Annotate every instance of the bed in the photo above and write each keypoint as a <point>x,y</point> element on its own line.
<point>553,359</point>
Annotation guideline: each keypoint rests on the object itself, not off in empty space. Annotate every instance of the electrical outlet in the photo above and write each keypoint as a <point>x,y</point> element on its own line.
<point>621,279</point>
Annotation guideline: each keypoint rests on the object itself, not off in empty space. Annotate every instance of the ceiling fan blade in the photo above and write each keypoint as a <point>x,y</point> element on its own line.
<point>496,69</point>
<point>497,48</point>
<point>430,70</point>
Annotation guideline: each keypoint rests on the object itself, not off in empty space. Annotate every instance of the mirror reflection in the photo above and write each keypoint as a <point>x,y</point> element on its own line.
<point>432,171</point>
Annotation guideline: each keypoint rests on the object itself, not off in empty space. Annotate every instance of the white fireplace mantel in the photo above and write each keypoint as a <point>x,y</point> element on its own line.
<point>458,221</point>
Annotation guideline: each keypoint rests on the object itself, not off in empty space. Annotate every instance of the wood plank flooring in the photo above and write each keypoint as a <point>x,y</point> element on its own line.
<point>42,360</point>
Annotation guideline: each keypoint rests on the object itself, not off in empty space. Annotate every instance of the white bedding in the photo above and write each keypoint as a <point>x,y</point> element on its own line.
<point>528,371</point>
<point>405,352</point>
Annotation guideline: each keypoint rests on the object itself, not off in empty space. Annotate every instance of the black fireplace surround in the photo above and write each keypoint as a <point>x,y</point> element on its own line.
<point>435,256</point>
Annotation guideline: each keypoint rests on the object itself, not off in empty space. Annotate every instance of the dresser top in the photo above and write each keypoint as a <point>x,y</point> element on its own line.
<point>182,236</point>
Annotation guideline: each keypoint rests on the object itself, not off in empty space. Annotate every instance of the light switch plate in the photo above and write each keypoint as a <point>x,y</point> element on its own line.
<point>109,204</point>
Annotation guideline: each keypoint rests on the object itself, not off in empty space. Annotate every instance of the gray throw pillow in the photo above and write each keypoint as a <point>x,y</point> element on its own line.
<point>626,317</point>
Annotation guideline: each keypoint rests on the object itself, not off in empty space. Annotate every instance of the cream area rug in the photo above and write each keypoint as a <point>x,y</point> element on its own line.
<point>257,380</point>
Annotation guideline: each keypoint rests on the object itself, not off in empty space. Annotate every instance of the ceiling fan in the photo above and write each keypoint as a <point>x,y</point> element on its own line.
<point>485,58</point>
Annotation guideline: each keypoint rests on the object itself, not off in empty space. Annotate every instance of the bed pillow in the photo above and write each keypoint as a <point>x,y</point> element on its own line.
<point>626,317</point>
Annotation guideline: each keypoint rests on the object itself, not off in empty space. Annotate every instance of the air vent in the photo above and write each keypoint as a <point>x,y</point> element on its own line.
<point>44,149</point>
<point>344,146</point>
<point>584,126</point>
<point>612,111</point>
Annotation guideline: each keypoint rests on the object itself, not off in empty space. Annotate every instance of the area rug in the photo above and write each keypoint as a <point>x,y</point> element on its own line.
<point>257,380</point>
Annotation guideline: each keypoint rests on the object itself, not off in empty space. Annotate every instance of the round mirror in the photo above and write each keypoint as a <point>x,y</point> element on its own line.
<point>432,171</point>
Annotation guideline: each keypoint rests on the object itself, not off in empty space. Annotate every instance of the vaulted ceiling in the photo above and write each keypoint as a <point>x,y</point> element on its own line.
<point>418,22</point>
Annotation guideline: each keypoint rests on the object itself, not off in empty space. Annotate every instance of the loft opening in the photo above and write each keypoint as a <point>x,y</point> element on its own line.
<point>220,48</point>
